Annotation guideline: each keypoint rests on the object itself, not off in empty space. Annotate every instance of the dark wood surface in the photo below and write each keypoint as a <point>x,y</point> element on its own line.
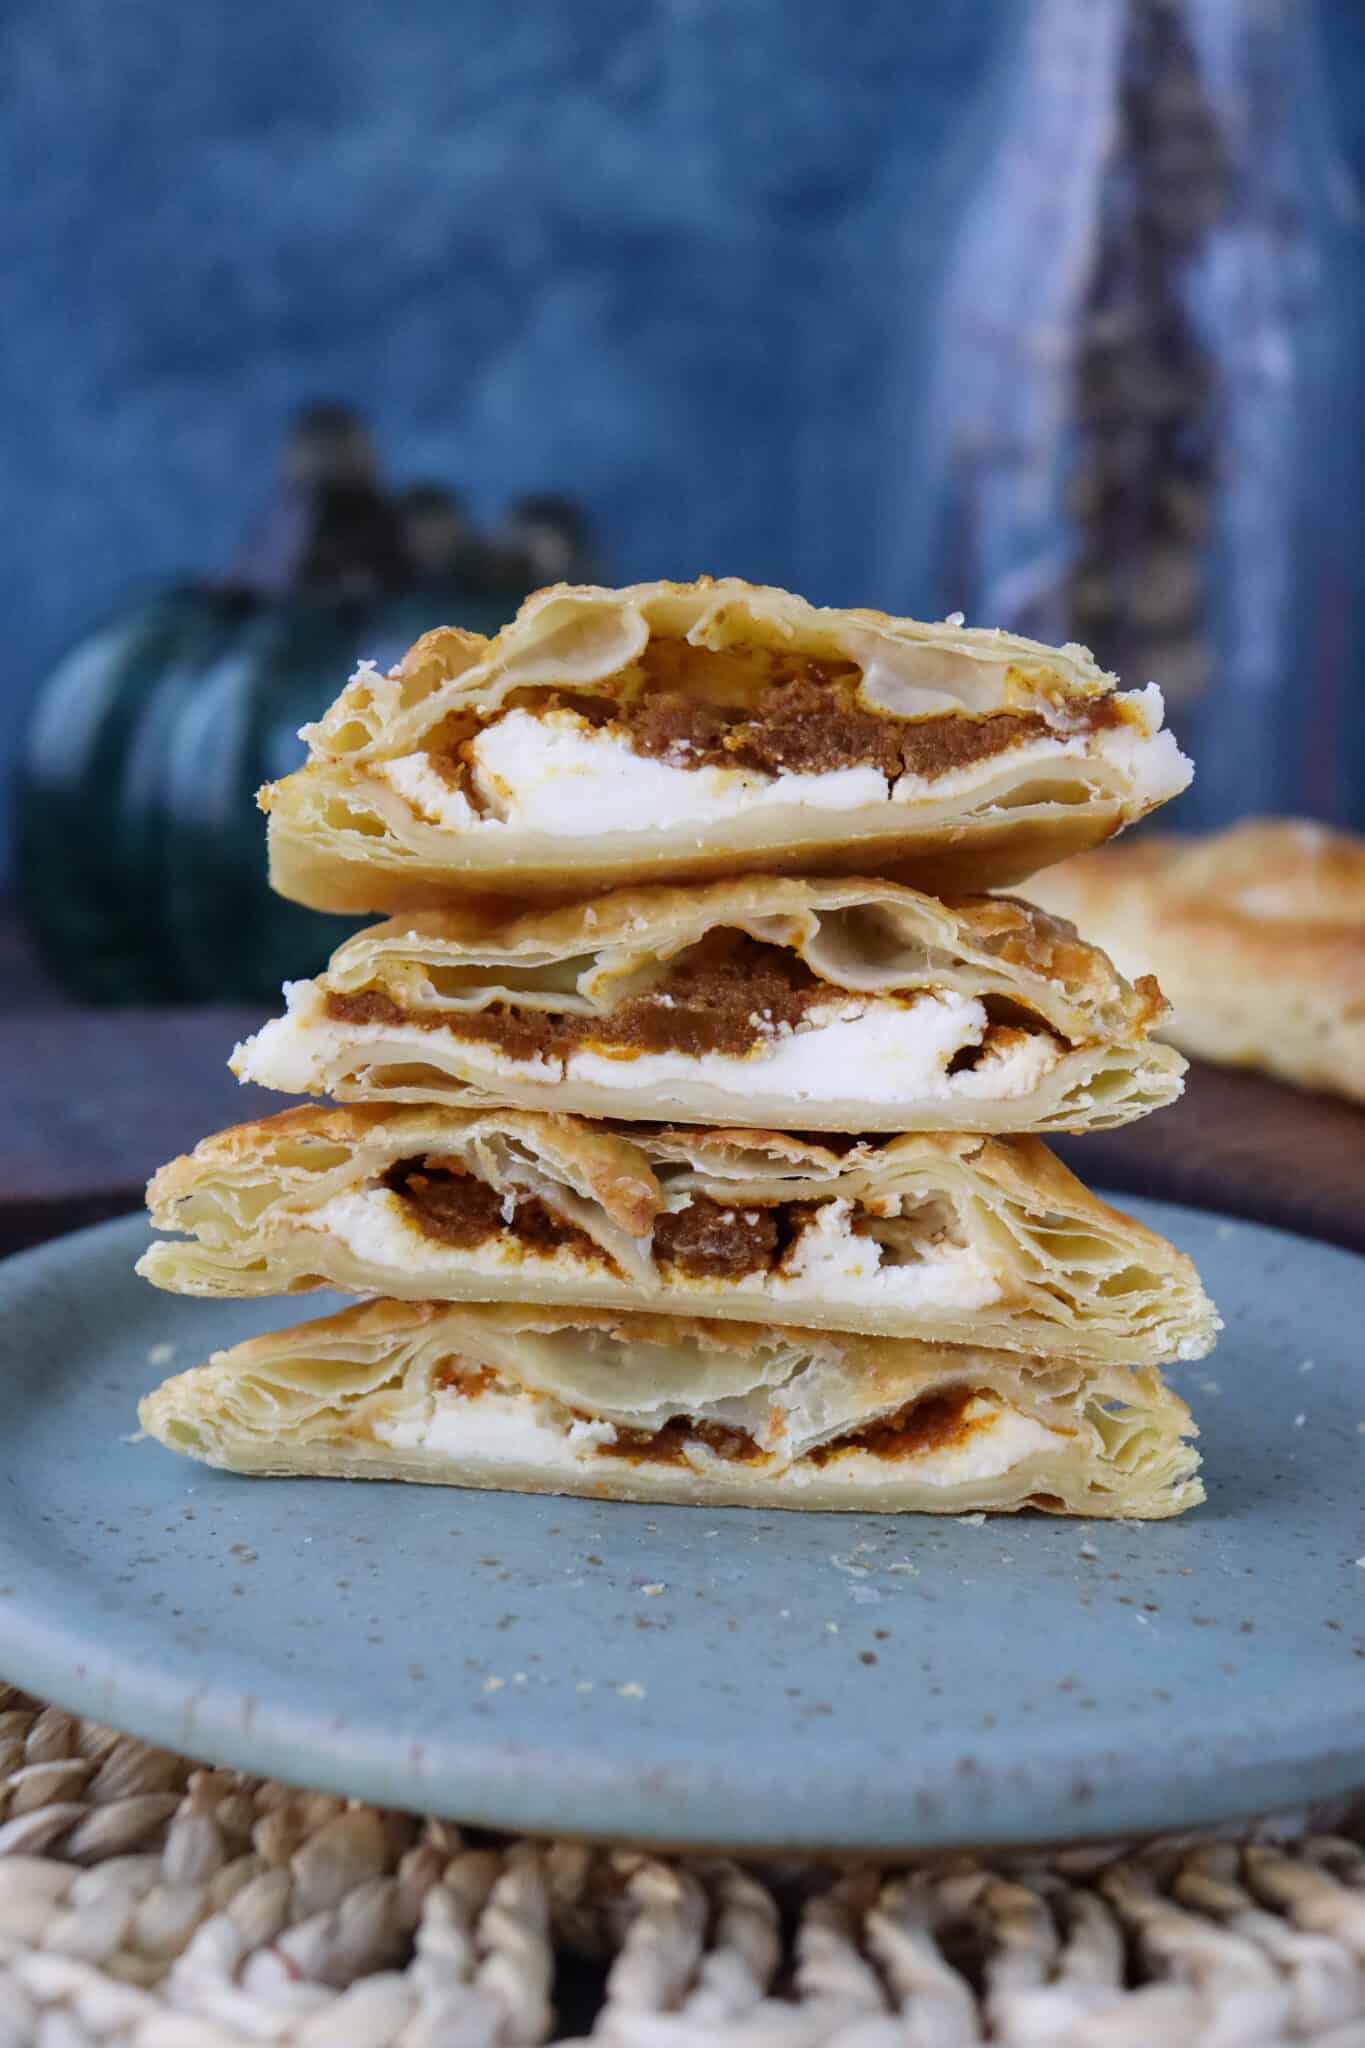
<point>1245,1146</point>
<point>91,1102</point>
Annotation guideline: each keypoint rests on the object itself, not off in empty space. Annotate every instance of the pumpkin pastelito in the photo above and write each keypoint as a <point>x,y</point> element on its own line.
<point>841,1004</point>
<point>949,1239</point>
<point>663,1408</point>
<point>685,731</point>
<point>1259,932</point>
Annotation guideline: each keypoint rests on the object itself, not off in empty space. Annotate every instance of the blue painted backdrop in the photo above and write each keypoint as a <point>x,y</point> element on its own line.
<point>639,248</point>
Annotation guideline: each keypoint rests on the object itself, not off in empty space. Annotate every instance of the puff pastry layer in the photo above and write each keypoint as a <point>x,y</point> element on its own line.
<point>683,731</point>
<point>662,1408</point>
<point>1257,933</point>
<point>844,1005</point>
<point>949,1239</point>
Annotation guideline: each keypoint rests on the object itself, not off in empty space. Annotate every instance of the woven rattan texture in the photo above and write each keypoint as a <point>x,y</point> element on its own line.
<point>149,1903</point>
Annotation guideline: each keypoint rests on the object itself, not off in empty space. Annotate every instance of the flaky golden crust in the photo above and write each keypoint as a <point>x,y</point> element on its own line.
<point>941,1236</point>
<point>344,835</point>
<point>551,1402</point>
<point>609,1167</point>
<point>337,843</point>
<point>575,634</point>
<point>1257,935</point>
<point>399,1013</point>
<point>1037,957</point>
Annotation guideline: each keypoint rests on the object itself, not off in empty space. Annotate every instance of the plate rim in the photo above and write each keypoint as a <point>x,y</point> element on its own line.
<point>45,1655</point>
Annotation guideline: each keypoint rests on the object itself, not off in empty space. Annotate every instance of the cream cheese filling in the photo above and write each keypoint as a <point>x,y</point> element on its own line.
<point>553,773</point>
<point>414,779</point>
<point>865,1048</point>
<point>377,1227</point>
<point>829,1259</point>
<point>550,772</point>
<point>509,1428</point>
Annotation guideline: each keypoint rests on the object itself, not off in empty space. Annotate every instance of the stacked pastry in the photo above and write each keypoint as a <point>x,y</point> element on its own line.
<point>685,1145</point>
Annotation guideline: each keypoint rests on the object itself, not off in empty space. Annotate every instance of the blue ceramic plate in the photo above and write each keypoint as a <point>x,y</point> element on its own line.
<point>692,1675</point>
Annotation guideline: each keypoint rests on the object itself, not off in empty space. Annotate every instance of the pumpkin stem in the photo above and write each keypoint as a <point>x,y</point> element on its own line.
<point>328,527</point>
<point>544,537</point>
<point>439,536</point>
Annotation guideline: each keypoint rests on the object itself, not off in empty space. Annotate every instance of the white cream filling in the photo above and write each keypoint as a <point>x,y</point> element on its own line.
<point>495,1428</point>
<point>376,1225</point>
<point>413,778</point>
<point>829,1259</point>
<point>861,1048</point>
<point>1152,761</point>
<point>993,1447</point>
<point>888,1052</point>
<point>550,772</point>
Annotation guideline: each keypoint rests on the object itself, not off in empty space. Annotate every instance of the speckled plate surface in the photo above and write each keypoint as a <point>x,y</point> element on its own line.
<point>690,1675</point>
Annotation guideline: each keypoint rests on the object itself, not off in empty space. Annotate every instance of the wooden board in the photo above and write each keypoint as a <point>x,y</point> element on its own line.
<point>1246,1146</point>
<point>91,1102</point>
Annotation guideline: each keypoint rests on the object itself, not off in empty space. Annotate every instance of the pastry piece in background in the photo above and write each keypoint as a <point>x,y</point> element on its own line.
<point>949,1239</point>
<point>1257,935</point>
<point>841,1005</point>
<point>684,731</point>
<point>664,1408</point>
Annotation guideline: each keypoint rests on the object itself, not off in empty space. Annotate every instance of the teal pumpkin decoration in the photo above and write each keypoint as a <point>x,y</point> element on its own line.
<point>142,858</point>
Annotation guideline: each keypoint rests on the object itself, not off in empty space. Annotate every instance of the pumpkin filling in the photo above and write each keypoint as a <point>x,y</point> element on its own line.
<point>705,1239</point>
<point>728,994</point>
<point>708,1240</point>
<point>669,1445</point>
<point>773,713</point>
<point>931,1422</point>
<point>456,1376</point>
<point>459,1209</point>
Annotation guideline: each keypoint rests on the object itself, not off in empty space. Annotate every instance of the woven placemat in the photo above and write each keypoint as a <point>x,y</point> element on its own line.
<point>149,1902</point>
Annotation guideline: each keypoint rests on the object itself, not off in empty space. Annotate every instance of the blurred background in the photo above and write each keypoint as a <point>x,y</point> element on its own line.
<point>327,325</point>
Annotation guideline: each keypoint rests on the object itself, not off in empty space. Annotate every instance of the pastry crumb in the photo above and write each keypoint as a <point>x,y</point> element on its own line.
<point>493,1683</point>
<point>653,1590</point>
<point>969,1521</point>
<point>631,1690</point>
<point>1299,1420</point>
<point>161,1354</point>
